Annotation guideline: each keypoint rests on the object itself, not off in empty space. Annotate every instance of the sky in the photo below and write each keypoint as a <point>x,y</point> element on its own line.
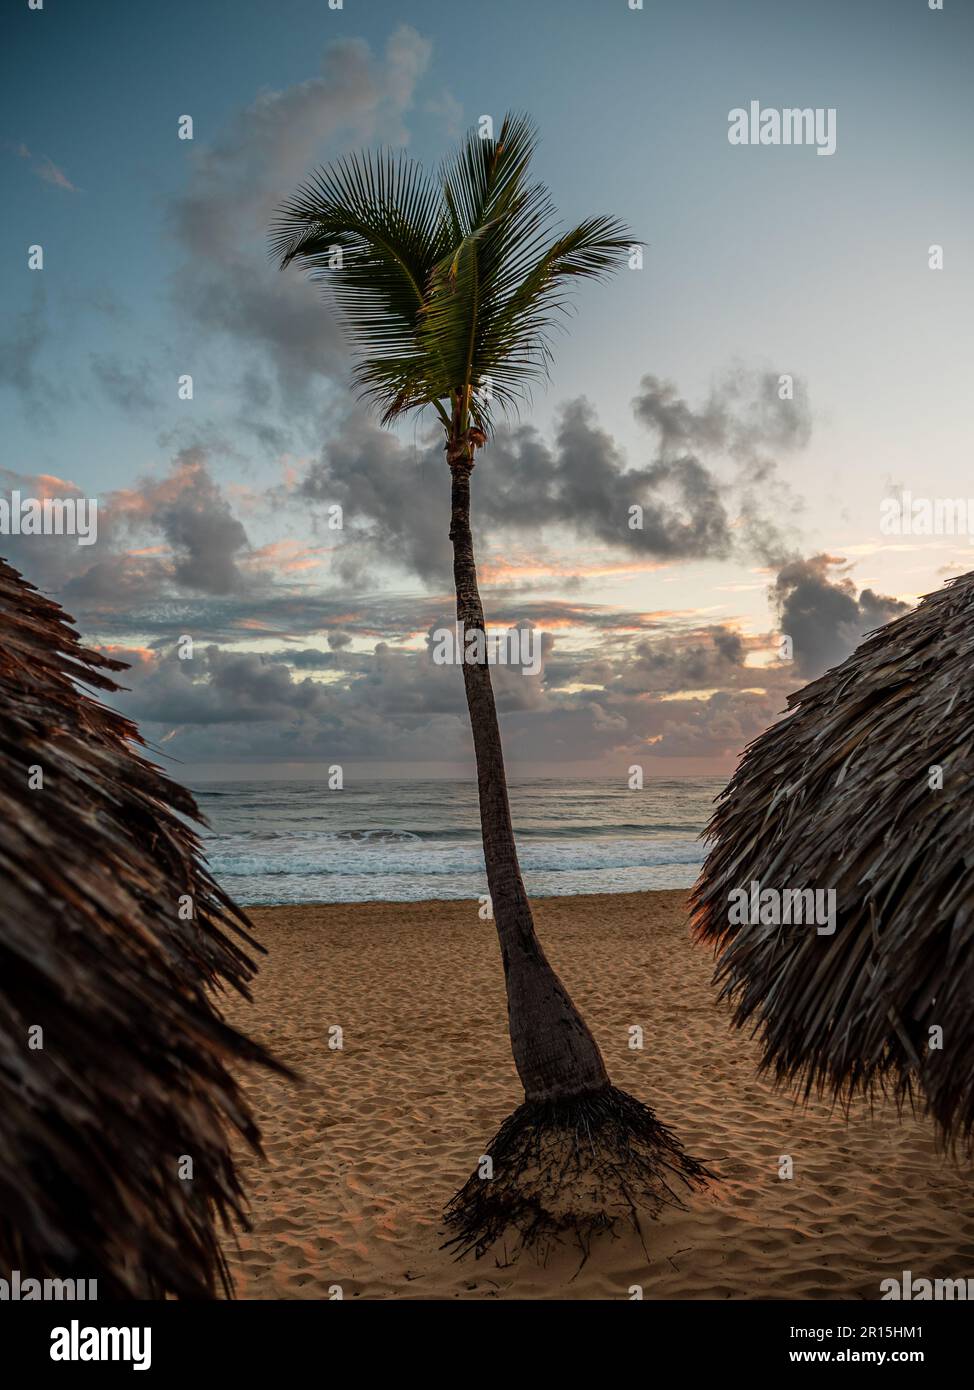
<point>761,515</point>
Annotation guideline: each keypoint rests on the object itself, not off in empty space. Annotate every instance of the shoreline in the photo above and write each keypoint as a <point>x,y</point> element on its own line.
<point>451,902</point>
<point>430,904</point>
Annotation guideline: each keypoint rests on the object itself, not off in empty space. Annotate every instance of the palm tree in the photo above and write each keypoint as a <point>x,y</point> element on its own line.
<point>449,288</point>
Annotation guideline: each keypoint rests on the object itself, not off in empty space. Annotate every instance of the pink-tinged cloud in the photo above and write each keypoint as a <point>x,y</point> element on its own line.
<point>253,625</point>
<point>135,656</point>
<point>290,556</point>
<point>187,476</point>
<point>50,173</point>
<point>48,485</point>
<point>507,571</point>
<point>43,166</point>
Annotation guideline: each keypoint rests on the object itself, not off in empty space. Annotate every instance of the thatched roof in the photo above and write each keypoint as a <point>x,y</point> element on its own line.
<point>133,1074</point>
<point>839,795</point>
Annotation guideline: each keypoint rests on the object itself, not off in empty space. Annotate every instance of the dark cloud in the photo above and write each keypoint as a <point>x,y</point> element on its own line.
<point>820,611</point>
<point>587,487</point>
<point>20,349</point>
<point>106,584</point>
<point>717,727</point>
<point>173,557</point>
<point>127,386</point>
<point>744,420</point>
<point>48,561</point>
<point>744,417</point>
<point>195,518</point>
<point>599,703</point>
<point>396,498</point>
<point>202,543</point>
<point>582,483</point>
<point>698,660</point>
<point>336,658</point>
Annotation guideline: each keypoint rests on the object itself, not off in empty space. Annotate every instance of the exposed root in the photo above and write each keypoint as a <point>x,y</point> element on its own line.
<point>571,1169</point>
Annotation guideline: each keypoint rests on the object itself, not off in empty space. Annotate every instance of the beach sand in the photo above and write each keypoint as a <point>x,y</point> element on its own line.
<point>363,1155</point>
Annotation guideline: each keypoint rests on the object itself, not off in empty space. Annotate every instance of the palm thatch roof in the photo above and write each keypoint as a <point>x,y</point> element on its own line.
<point>843,793</point>
<point>101,950</point>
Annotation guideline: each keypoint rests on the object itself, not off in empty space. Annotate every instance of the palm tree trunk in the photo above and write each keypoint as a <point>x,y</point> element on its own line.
<point>579,1155</point>
<point>556,1056</point>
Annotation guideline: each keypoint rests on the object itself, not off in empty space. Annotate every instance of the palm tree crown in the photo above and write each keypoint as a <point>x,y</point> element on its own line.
<point>449,286</point>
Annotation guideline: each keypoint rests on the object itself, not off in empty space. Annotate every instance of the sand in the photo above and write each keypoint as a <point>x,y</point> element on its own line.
<point>363,1155</point>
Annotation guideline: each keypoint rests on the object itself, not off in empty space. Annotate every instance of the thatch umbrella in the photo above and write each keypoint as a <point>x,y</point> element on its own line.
<point>116,1102</point>
<point>845,793</point>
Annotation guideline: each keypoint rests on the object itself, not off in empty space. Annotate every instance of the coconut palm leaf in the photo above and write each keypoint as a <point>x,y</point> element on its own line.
<point>449,287</point>
<point>371,227</point>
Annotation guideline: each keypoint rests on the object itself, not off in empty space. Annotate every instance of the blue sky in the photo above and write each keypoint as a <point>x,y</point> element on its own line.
<point>759,260</point>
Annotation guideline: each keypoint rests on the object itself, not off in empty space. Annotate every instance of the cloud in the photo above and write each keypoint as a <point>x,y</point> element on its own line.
<point>219,687</point>
<point>819,609</point>
<point>189,510</point>
<point>47,561</point>
<point>126,386</point>
<point>449,110</point>
<point>227,285</point>
<point>395,500</point>
<point>702,494</point>
<point>699,660</point>
<point>622,696</point>
<point>203,543</point>
<point>744,419</point>
<point>744,416</point>
<point>582,483</point>
<point>44,167</point>
<point>50,173</point>
<point>20,349</point>
<point>352,667</point>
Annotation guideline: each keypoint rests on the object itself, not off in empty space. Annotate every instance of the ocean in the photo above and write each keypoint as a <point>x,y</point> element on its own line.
<point>402,841</point>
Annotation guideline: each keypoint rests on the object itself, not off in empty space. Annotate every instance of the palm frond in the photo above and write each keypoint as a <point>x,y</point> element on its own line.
<point>518,336</point>
<point>485,175</point>
<point>371,227</point>
<point>449,289</point>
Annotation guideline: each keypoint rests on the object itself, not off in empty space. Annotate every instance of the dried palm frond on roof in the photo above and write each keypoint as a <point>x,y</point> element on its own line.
<point>112,935</point>
<point>843,793</point>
